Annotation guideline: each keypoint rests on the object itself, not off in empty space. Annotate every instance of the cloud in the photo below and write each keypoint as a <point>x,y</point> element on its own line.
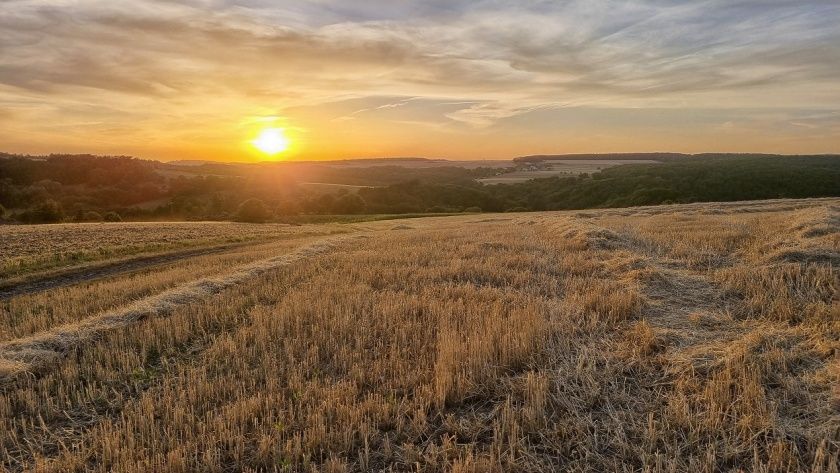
<point>180,59</point>
<point>551,48</point>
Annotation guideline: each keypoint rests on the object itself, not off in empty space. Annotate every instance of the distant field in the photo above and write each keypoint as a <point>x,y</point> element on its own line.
<point>560,167</point>
<point>330,187</point>
<point>420,163</point>
<point>699,337</point>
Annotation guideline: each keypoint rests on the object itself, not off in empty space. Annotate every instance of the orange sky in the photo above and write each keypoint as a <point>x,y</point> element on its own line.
<point>199,79</point>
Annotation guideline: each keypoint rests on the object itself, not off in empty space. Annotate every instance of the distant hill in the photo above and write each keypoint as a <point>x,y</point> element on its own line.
<point>87,188</point>
<point>694,178</point>
<point>337,162</point>
<point>662,157</point>
<point>606,156</point>
<point>190,162</point>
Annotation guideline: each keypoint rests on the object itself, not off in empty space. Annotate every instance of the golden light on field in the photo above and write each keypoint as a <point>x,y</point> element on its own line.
<point>272,141</point>
<point>441,347</point>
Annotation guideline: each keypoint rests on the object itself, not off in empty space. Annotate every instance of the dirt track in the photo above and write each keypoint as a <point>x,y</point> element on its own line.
<point>45,349</point>
<point>71,276</point>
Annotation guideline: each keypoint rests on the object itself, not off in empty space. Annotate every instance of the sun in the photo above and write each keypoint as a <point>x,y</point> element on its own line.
<point>272,141</point>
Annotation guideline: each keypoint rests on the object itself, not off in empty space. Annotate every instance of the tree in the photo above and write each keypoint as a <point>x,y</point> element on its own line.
<point>253,211</point>
<point>48,211</point>
<point>112,217</point>
<point>349,204</point>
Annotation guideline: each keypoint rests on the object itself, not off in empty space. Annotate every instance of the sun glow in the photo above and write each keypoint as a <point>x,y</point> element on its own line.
<point>272,141</point>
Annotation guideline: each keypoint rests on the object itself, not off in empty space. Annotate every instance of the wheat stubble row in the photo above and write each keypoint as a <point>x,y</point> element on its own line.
<point>540,342</point>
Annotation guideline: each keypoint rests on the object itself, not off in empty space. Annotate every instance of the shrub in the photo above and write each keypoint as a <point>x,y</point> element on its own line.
<point>473,210</point>
<point>48,211</point>
<point>112,217</point>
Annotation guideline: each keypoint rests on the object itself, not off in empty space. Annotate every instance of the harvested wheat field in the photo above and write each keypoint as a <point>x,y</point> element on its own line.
<point>701,337</point>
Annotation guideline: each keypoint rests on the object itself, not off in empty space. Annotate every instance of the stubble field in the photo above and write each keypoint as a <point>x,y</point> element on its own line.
<point>674,338</point>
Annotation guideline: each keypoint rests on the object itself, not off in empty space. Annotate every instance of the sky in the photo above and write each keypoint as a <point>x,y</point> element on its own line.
<point>457,79</point>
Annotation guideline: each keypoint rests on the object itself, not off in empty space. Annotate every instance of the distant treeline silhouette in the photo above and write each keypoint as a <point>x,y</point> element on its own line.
<point>90,188</point>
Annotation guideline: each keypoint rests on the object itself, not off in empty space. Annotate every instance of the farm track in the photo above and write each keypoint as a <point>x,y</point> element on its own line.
<point>71,276</point>
<point>38,352</point>
<point>677,296</point>
<point>678,292</point>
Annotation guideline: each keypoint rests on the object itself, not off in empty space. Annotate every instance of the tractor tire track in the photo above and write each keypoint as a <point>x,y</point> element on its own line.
<point>96,271</point>
<point>675,292</point>
<point>687,306</point>
<point>38,352</point>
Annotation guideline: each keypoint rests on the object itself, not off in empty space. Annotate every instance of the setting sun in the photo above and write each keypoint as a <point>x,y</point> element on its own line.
<point>272,141</point>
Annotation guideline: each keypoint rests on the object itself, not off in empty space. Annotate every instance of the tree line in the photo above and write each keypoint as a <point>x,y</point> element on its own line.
<point>88,188</point>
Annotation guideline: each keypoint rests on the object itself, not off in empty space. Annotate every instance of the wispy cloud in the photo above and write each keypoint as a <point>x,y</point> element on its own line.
<point>176,62</point>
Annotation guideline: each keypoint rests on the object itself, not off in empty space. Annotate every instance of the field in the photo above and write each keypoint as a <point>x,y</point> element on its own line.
<point>699,337</point>
<point>28,248</point>
<point>560,167</point>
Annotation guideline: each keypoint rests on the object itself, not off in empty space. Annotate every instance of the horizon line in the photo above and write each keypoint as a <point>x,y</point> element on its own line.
<point>421,158</point>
